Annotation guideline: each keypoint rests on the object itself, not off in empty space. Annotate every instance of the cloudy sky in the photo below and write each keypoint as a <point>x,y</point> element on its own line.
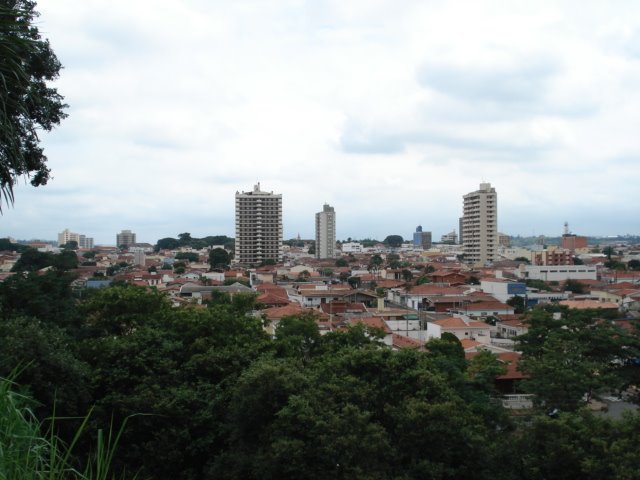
<point>388,110</point>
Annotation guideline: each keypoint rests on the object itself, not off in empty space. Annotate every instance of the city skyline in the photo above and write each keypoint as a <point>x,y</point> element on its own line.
<point>387,112</point>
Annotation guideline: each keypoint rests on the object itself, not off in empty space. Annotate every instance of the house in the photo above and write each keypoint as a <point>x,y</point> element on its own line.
<point>484,309</point>
<point>510,326</point>
<point>445,277</point>
<point>418,297</point>
<point>503,289</point>
<point>465,328</point>
<point>507,383</point>
<point>587,304</point>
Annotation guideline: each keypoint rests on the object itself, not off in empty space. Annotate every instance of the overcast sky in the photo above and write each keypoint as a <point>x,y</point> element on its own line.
<point>389,111</point>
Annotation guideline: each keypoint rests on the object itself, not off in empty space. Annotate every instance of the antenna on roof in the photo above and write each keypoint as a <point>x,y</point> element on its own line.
<point>566,228</point>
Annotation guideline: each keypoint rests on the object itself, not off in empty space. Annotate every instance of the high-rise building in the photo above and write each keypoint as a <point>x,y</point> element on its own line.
<point>126,238</point>
<point>450,237</point>
<point>67,236</point>
<point>258,227</point>
<point>422,239</point>
<point>326,232</point>
<point>480,225</point>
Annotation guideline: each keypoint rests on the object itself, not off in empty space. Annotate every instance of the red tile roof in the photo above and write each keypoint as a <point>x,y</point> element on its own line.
<point>400,341</point>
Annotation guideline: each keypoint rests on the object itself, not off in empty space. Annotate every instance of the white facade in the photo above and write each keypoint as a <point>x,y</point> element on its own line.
<point>139,258</point>
<point>352,247</point>
<point>503,290</point>
<point>480,225</point>
<point>326,232</point>
<point>258,227</point>
<point>67,236</point>
<point>558,273</point>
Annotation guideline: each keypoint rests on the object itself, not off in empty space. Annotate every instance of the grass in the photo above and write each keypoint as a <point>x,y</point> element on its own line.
<point>28,454</point>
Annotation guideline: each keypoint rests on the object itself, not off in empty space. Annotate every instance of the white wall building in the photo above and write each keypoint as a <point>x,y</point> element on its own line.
<point>258,227</point>
<point>351,247</point>
<point>480,225</point>
<point>326,232</point>
<point>67,236</point>
<point>558,273</point>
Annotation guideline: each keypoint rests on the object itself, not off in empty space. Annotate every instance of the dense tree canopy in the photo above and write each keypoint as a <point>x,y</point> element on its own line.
<point>573,355</point>
<point>393,240</point>
<point>27,102</point>
<point>209,395</point>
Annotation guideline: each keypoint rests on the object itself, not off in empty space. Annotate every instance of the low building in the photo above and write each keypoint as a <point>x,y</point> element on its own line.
<point>465,328</point>
<point>558,273</point>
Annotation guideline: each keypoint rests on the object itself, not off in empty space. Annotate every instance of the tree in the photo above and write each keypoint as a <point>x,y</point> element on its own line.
<point>7,245</point>
<point>574,286</point>
<point>70,245</point>
<point>407,275</point>
<point>219,258</point>
<point>341,262</point>
<point>65,260</point>
<point>633,264</point>
<point>572,357</point>
<point>312,249</point>
<point>518,303</point>
<point>190,256</point>
<point>27,102</point>
<point>184,238</point>
<point>393,241</point>
<point>167,243</point>
<point>522,259</point>
<point>31,260</point>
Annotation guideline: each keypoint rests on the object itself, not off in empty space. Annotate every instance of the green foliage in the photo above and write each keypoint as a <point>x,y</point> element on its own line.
<point>65,261</point>
<point>47,297</point>
<point>297,337</point>
<point>210,395</point>
<point>538,284</point>
<point>8,246</point>
<point>572,358</point>
<point>31,260</point>
<point>27,452</point>
<point>472,280</point>
<point>185,240</point>
<point>70,245</point>
<point>219,258</point>
<point>518,303</point>
<point>393,241</point>
<point>522,260</point>
<point>28,104</point>
<point>574,286</point>
<point>342,262</point>
<point>633,264</point>
<point>422,280</point>
<point>407,276</point>
<point>189,256</point>
<point>579,445</point>
<point>167,243</point>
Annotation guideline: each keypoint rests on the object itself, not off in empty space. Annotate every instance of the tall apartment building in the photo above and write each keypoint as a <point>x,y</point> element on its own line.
<point>451,237</point>
<point>125,238</point>
<point>422,239</point>
<point>480,225</point>
<point>258,227</point>
<point>326,232</point>
<point>67,236</point>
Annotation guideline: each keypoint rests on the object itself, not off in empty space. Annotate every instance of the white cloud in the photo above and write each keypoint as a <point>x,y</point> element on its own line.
<point>389,111</point>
